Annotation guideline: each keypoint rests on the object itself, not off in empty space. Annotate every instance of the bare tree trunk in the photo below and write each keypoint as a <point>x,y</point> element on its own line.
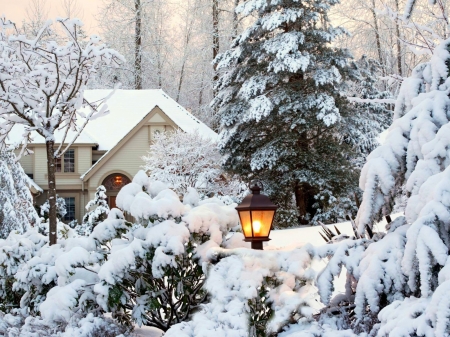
<point>180,82</point>
<point>235,20</point>
<point>399,47</point>
<point>200,95</point>
<point>215,38</point>
<point>377,36</point>
<point>51,192</point>
<point>138,45</point>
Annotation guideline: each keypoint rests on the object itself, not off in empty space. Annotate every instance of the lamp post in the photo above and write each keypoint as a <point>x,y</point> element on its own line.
<point>256,213</point>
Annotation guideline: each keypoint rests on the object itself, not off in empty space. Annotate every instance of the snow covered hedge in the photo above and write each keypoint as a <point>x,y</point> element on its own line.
<point>149,272</point>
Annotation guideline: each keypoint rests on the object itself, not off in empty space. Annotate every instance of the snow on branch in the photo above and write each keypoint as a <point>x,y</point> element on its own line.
<point>42,83</point>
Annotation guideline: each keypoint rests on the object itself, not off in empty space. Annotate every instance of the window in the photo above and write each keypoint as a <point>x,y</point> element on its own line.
<point>67,164</point>
<point>70,208</point>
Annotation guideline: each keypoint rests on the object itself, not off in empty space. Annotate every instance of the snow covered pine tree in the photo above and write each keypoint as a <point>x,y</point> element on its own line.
<point>96,215</point>
<point>400,284</point>
<point>17,212</point>
<point>281,107</point>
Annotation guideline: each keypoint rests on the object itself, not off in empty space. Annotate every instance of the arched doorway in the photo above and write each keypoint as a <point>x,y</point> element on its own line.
<point>113,183</point>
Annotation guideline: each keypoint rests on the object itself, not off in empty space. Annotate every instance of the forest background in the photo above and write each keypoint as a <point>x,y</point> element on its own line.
<point>171,44</point>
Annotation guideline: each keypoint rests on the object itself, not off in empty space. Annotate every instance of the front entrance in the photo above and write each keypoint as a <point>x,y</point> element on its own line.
<point>112,201</point>
<point>113,184</point>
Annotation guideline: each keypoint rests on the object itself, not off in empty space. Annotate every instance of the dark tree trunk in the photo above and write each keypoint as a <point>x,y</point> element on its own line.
<point>399,47</point>
<point>215,37</point>
<point>51,192</point>
<point>138,45</point>
<point>303,198</point>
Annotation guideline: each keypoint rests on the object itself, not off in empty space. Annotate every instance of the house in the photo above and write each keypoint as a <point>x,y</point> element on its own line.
<point>109,150</point>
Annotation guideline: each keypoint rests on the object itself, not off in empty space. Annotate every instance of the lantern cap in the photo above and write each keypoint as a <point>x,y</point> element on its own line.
<point>256,200</point>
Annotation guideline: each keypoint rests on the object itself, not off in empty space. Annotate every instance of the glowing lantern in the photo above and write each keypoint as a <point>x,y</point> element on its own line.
<point>256,213</point>
<point>118,180</point>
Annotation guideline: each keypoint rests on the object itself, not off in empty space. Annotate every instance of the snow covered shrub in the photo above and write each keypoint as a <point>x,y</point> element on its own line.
<point>184,160</point>
<point>16,250</point>
<point>154,274</point>
<point>89,326</point>
<point>17,212</point>
<point>94,216</point>
<point>61,210</point>
<point>254,293</point>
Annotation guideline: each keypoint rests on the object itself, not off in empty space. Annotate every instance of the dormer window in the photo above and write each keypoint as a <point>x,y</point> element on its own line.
<point>67,164</point>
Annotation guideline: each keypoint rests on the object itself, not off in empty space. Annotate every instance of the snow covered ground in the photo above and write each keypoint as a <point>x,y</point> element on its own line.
<point>147,331</point>
<point>297,237</point>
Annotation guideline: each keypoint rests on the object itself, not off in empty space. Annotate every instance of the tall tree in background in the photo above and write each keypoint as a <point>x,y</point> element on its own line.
<point>280,104</point>
<point>42,85</point>
<point>138,45</point>
<point>36,15</point>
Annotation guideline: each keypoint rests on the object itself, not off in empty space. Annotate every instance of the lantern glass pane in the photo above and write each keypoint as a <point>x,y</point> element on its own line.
<point>246,223</point>
<point>262,221</point>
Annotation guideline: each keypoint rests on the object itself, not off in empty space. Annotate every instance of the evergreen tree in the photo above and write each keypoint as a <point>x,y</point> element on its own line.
<point>371,113</point>
<point>281,107</point>
<point>97,215</point>
<point>16,203</point>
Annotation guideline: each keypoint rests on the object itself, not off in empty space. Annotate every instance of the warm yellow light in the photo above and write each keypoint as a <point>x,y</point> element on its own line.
<point>256,227</point>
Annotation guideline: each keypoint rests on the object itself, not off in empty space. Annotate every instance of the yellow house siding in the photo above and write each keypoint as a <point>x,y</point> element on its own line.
<point>40,166</point>
<point>26,162</point>
<point>126,159</point>
<point>84,159</point>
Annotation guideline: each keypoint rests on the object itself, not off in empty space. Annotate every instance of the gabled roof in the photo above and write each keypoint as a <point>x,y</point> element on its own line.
<point>127,108</point>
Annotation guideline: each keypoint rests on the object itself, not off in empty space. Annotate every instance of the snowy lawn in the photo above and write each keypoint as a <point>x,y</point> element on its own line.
<point>297,237</point>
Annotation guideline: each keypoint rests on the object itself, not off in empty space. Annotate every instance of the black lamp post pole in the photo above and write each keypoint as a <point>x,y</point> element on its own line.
<point>257,245</point>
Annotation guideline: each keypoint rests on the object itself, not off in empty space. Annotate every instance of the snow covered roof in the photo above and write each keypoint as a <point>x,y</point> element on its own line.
<point>127,108</point>
<point>33,186</point>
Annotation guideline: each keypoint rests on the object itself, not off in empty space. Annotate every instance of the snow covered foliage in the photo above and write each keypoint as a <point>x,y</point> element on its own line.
<point>45,69</point>
<point>156,269</point>
<point>94,216</point>
<point>184,160</point>
<point>42,83</point>
<point>398,283</point>
<point>254,293</point>
<point>282,108</point>
<point>17,212</point>
<point>372,115</point>
<point>150,272</point>
<point>61,209</point>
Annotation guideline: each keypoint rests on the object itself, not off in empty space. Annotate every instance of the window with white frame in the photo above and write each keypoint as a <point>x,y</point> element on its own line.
<point>70,209</point>
<point>67,163</point>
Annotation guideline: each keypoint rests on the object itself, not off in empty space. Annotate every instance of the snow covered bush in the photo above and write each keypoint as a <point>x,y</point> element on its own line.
<point>17,212</point>
<point>254,293</point>
<point>154,274</point>
<point>184,160</point>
